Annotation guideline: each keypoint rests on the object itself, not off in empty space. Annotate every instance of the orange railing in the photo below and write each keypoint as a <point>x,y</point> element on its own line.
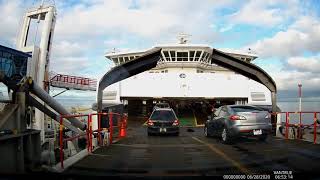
<point>121,125</point>
<point>299,125</point>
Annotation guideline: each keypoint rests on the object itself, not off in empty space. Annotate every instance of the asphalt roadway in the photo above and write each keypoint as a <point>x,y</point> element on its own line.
<point>192,154</point>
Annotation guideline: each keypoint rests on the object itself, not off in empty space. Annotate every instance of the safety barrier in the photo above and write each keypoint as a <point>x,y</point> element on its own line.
<point>300,126</point>
<point>120,127</point>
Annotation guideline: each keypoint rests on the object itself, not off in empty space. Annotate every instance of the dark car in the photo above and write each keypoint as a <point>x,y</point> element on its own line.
<point>163,121</point>
<point>232,121</point>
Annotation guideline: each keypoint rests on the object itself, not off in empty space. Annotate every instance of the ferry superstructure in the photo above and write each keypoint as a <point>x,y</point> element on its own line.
<point>185,74</point>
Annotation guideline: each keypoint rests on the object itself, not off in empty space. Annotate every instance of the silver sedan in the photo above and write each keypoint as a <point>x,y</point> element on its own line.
<point>232,121</point>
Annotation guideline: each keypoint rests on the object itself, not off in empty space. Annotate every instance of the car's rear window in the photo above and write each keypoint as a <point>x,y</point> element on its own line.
<point>162,105</point>
<point>245,109</point>
<point>163,116</point>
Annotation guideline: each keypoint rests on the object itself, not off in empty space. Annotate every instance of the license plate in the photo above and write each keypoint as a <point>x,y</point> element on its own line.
<point>163,130</point>
<point>257,132</point>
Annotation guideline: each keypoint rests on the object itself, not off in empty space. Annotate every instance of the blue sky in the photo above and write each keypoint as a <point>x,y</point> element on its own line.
<point>284,34</point>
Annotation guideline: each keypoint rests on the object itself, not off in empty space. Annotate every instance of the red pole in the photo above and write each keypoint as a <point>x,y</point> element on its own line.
<point>300,128</point>
<point>88,136</point>
<point>61,142</point>
<point>90,132</point>
<point>120,122</point>
<point>99,129</point>
<point>315,128</point>
<point>287,124</point>
<point>125,126</point>
<point>111,126</point>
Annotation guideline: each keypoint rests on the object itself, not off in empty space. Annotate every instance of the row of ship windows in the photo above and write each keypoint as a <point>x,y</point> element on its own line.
<point>173,56</point>
<point>178,56</point>
<point>245,59</point>
<point>186,56</point>
<point>124,59</point>
<point>166,71</point>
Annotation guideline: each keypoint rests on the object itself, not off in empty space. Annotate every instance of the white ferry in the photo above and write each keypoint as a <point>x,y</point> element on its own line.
<point>183,76</point>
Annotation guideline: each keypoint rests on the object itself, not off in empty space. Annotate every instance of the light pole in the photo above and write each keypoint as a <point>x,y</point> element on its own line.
<point>300,92</point>
<point>300,118</point>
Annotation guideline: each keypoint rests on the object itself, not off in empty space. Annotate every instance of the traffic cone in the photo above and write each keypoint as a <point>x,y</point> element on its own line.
<point>122,130</point>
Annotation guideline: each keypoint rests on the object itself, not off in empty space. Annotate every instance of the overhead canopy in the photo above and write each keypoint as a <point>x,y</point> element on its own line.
<point>150,59</point>
<point>242,67</point>
<point>128,69</point>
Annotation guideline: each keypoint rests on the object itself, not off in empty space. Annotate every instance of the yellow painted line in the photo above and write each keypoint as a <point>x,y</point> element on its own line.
<point>195,119</point>
<point>196,122</point>
<point>224,156</point>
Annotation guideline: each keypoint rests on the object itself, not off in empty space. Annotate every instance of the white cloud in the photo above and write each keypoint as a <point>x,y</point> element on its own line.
<point>10,19</point>
<point>87,28</point>
<point>226,28</point>
<point>288,80</point>
<point>68,49</point>
<point>260,13</point>
<point>302,36</point>
<point>305,64</point>
<point>69,65</point>
<point>283,44</point>
<point>152,19</point>
<point>114,42</point>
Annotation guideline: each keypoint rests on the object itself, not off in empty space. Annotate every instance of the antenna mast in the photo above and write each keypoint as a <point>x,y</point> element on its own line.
<point>183,38</point>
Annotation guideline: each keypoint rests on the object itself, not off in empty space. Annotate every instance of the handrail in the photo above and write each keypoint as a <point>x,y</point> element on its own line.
<point>300,124</point>
<point>121,124</point>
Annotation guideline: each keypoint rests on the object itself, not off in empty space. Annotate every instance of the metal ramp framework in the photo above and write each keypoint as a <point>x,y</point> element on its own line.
<point>73,82</point>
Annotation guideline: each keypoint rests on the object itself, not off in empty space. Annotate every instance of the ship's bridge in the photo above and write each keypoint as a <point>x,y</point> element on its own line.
<point>193,56</point>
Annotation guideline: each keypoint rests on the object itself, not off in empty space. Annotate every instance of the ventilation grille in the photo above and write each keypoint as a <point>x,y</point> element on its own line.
<point>110,95</point>
<point>258,96</point>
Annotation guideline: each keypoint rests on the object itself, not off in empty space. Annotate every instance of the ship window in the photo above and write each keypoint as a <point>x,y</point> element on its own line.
<point>208,57</point>
<point>192,55</point>
<point>173,55</point>
<point>182,56</point>
<point>204,56</point>
<point>131,57</point>
<point>166,71</point>
<point>166,54</point>
<point>121,59</point>
<point>242,58</point>
<point>126,59</point>
<point>198,54</point>
<point>115,60</point>
<point>199,71</point>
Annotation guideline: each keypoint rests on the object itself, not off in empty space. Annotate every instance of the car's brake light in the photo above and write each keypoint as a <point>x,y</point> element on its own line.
<point>236,117</point>
<point>150,123</point>
<point>175,122</point>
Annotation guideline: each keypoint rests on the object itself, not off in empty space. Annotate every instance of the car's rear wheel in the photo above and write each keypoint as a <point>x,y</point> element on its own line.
<point>206,132</point>
<point>225,136</point>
